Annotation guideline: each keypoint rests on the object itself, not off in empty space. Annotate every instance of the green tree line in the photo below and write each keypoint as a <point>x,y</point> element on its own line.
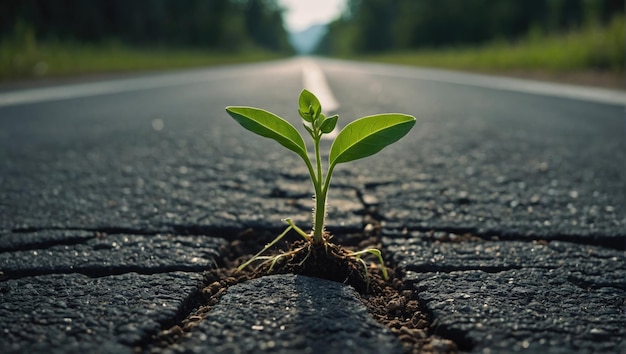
<point>229,25</point>
<point>373,26</point>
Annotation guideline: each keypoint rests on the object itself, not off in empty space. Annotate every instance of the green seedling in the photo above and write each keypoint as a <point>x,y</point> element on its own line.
<point>360,138</point>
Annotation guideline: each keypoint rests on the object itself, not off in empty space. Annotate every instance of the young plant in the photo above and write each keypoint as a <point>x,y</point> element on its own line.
<point>360,138</point>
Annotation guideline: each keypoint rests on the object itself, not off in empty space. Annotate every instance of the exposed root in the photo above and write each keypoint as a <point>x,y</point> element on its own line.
<point>323,260</point>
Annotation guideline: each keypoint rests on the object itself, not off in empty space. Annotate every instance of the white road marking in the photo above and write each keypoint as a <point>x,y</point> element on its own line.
<point>95,88</point>
<point>583,93</point>
<point>313,79</point>
<point>114,86</point>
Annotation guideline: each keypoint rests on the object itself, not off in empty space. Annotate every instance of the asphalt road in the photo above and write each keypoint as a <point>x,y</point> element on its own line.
<point>498,160</point>
<point>150,156</point>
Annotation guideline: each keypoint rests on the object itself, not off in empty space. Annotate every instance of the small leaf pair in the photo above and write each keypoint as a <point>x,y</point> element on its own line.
<point>315,122</point>
<point>309,106</point>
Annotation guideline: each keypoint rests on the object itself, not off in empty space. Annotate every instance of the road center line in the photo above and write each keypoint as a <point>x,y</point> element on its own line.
<point>313,79</point>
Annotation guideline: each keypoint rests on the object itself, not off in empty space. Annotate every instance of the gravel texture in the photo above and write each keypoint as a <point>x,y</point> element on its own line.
<point>74,313</point>
<point>551,297</point>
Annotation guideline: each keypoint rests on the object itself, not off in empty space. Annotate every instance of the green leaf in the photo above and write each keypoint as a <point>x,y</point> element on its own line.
<point>271,126</point>
<point>368,135</point>
<point>309,105</point>
<point>306,116</point>
<point>329,124</point>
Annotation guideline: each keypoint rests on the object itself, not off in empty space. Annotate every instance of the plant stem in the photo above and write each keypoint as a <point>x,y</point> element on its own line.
<point>318,161</point>
<point>320,197</point>
<point>318,226</point>
<point>320,205</point>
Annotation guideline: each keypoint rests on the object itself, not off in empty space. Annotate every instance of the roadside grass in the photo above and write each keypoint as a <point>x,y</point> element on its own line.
<point>592,50</point>
<point>24,58</point>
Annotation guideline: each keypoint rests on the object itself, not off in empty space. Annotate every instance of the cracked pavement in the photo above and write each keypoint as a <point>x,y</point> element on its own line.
<point>505,211</point>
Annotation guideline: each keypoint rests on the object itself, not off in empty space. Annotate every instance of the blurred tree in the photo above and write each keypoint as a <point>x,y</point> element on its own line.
<point>216,24</point>
<point>374,25</point>
<point>379,25</point>
<point>263,19</point>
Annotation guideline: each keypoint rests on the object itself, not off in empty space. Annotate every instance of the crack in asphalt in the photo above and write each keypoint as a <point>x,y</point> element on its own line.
<point>369,212</point>
<point>610,242</point>
<point>99,271</point>
<point>448,269</point>
<point>43,245</point>
<point>167,229</point>
<point>187,306</point>
<point>587,285</point>
<point>460,337</point>
<point>109,230</point>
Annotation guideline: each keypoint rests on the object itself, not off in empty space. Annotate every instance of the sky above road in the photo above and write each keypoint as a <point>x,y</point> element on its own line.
<point>301,14</point>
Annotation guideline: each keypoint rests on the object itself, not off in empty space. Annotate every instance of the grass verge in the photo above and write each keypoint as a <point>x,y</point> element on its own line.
<point>24,58</point>
<point>592,55</point>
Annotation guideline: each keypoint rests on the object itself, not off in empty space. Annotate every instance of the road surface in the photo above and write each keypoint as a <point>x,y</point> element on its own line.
<point>508,162</point>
